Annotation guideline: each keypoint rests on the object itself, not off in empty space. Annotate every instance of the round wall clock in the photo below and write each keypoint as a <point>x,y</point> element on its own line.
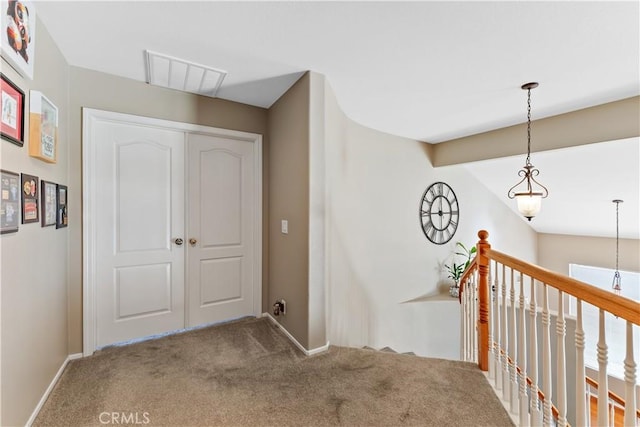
<point>439,213</point>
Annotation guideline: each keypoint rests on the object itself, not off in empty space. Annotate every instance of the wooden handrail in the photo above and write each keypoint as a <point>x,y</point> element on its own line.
<point>612,396</point>
<point>615,304</point>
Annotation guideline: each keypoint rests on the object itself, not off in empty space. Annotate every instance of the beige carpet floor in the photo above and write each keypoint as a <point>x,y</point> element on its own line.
<point>247,373</point>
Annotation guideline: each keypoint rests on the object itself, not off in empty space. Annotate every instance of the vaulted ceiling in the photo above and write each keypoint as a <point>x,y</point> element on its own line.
<point>430,71</point>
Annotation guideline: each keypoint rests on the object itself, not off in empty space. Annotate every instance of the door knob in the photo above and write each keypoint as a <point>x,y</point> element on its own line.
<point>178,241</point>
<point>193,241</point>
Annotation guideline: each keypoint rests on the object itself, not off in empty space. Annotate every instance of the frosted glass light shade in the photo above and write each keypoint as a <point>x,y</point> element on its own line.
<point>529,204</point>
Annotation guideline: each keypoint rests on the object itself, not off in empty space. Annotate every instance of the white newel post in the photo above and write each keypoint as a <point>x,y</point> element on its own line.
<point>582,413</point>
<point>546,357</point>
<point>522,359</point>
<point>603,385</point>
<point>561,363</point>
<point>533,357</point>
<point>630,381</point>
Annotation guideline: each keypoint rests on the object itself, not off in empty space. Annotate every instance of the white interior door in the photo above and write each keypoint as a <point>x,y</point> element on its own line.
<point>139,195</point>
<point>221,224</point>
<point>134,198</point>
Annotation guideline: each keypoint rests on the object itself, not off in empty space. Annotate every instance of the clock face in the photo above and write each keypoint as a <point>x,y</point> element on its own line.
<point>439,213</point>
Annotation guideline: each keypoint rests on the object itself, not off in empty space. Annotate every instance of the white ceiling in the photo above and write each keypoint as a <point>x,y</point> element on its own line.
<point>430,71</point>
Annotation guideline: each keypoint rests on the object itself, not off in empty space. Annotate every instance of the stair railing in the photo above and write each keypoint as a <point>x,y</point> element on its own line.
<point>502,342</point>
<point>616,404</point>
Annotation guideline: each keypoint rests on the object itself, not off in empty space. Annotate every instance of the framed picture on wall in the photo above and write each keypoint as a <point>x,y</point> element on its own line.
<point>18,25</point>
<point>30,212</point>
<point>61,207</point>
<point>43,127</point>
<point>9,201</point>
<point>49,200</point>
<point>11,111</point>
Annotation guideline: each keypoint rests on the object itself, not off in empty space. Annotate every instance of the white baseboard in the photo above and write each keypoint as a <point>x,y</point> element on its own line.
<point>53,383</point>
<point>295,341</point>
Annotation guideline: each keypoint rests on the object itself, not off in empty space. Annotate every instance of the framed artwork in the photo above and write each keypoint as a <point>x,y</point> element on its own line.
<point>18,22</point>
<point>9,202</point>
<point>43,128</point>
<point>29,198</point>
<point>49,201</point>
<point>12,111</point>
<point>61,207</point>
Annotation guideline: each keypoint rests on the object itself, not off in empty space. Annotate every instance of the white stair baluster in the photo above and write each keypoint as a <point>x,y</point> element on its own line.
<point>472,320</point>
<point>612,413</point>
<point>471,327</point>
<point>504,349</point>
<point>474,307</point>
<point>463,320</point>
<point>546,357</point>
<point>522,359</point>
<point>533,357</point>
<point>495,316</point>
<point>561,381</point>
<point>582,396</point>
<point>513,398</point>
<point>465,305</point>
<point>630,381</point>
<point>603,385</point>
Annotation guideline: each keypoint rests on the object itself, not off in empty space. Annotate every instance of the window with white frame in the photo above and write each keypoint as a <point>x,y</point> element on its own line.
<point>615,328</point>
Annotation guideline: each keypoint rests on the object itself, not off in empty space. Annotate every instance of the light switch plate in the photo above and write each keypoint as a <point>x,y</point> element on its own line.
<point>285,226</point>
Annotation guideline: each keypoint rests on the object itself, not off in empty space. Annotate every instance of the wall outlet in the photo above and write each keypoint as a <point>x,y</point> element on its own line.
<point>284,226</point>
<point>280,307</point>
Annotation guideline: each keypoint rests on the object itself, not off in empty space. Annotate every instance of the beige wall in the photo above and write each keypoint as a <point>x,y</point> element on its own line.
<point>606,122</point>
<point>378,258</point>
<point>107,92</point>
<point>34,260</point>
<point>289,200</point>
<point>557,251</point>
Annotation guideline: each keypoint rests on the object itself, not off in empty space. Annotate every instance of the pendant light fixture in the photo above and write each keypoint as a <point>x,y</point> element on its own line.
<point>530,196</point>
<point>617,280</point>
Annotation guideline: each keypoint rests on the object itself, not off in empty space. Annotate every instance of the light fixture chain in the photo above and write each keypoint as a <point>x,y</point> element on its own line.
<point>528,126</point>
<point>617,286</point>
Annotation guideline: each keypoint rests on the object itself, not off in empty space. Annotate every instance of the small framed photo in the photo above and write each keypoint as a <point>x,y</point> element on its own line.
<point>43,128</point>
<point>30,195</point>
<point>18,22</point>
<point>62,219</point>
<point>11,112</point>
<point>9,202</point>
<point>49,201</point>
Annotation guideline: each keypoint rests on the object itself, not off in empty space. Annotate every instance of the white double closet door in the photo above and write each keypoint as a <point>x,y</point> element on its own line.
<point>173,232</point>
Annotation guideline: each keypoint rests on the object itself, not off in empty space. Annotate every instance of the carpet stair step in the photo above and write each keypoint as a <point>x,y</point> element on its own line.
<point>388,350</point>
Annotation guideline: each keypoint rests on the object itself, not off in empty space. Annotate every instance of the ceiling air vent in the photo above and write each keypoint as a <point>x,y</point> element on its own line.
<point>174,73</point>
